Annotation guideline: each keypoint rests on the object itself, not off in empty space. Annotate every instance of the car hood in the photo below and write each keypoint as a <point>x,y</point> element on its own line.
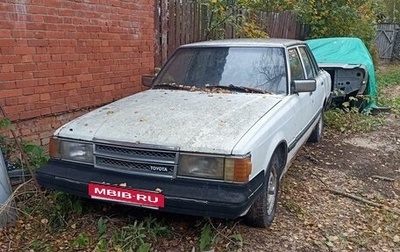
<point>190,121</point>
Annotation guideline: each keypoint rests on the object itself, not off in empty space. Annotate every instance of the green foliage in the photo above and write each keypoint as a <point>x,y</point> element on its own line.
<point>389,11</point>
<point>339,18</point>
<point>252,30</point>
<point>101,227</point>
<point>206,237</point>
<point>38,245</point>
<point>82,241</point>
<point>5,123</point>
<point>59,207</point>
<point>35,154</point>
<point>349,120</point>
<point>131,237</point>
<point>270,5</point>
<point>221,13</point>
<point>228,14</point>
<point>137,236</point>
<point>389,79</point>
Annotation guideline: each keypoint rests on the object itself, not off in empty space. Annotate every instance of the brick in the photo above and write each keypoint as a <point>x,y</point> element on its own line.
<point>25,131</point>
<point>36,26</point>
<point>52,19</point>
<point>72,71</point>
<point>84,77</point>
<point>36,9</point>
<point>7,42</point>
<point>24,50</point>
<point>58,94</point>
<point>11,101</point>
<point>107,88</point>
<point>29,114</point>
<point>26,83</point>
<point>67,12</point>
<point>28,99</point>
<point>73,99</point>
<point>70,57</point>
<point>38,42</point>
<point>7,68</point>
<point>47,111</point>
<point>25,67</point>
<point>10,76</point>
<point>27,58</point>
<point>41,58</point>
<point>59,108</point>
<point>10,93</point>
<point>56,65</point>
<point>5,34</point>
<point>58,80</point>
<point>7,24</point>
<point>28,90</point>
<point>45,97</point>
<point>5,51</point>
<point>68,43</point>
<point>48,73</point>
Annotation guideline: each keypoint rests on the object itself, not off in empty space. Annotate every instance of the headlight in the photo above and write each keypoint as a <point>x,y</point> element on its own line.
<point>72,151</point>
<point>201,166</point>
<point>230,169</point>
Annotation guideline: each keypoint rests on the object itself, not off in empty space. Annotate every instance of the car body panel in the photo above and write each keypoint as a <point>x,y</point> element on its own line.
<point>190,121</point>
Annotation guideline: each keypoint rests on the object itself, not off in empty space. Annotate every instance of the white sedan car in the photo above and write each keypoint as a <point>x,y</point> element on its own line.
<point>213,136</point>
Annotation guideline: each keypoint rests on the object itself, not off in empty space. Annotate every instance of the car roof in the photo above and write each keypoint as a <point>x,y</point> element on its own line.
<point>244,42</point>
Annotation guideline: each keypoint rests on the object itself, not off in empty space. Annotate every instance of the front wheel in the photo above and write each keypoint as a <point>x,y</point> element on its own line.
<point>262,212</point>
<point>316,134</point>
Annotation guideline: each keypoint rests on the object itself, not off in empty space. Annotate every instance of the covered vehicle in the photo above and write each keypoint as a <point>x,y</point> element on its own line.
<point>350,65</point>
<point>212,137</point>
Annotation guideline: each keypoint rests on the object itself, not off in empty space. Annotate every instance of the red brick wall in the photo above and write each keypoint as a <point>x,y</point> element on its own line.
<point>59,56</point>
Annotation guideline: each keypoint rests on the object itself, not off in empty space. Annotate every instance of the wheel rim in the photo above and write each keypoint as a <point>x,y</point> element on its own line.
<point>272,190</point>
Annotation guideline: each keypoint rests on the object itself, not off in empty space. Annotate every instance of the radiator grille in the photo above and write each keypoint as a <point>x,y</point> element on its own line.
<point>135,160</point>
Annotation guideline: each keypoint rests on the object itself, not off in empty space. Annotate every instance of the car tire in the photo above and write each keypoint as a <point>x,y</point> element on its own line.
<point>262,212</point>
<point>316,134</point>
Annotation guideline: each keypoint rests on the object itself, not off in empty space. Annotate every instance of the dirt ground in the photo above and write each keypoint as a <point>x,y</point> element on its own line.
<point>312,217</point>
<point>326,203</point>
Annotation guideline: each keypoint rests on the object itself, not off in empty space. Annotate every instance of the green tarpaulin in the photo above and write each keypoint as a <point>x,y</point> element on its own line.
<point>350,51</point>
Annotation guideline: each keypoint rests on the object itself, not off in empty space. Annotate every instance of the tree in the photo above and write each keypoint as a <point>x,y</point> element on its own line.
<point>389,11</point>
<point>339,18</point>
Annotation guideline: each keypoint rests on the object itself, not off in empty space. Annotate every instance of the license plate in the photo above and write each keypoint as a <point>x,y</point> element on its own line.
<point>126,195</point>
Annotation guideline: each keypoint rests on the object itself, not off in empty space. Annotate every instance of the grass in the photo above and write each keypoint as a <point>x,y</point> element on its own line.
<point>388,79</point>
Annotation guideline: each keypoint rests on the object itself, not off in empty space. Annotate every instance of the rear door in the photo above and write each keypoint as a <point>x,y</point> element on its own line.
<point>312,72</point>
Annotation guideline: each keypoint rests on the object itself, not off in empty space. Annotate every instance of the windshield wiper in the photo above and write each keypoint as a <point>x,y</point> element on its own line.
<point>240,89</point>
<point>172,86</point>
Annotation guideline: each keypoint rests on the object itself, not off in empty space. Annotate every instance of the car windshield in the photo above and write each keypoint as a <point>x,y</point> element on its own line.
<point>255,68</point>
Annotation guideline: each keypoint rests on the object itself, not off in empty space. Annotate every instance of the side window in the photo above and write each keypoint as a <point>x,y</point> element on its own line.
<point>308,64</point>
<point>296,69</point>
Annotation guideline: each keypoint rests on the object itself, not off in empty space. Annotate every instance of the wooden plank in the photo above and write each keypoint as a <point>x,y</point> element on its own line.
<point>164,30</point>
<point>157,29</point>
<point>178,32</point>
<point>171,25</point>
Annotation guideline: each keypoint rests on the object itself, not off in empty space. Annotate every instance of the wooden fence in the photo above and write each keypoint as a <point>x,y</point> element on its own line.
<point>179,22</point>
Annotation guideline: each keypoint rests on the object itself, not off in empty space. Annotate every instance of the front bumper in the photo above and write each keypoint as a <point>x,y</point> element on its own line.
<point>183,196</point>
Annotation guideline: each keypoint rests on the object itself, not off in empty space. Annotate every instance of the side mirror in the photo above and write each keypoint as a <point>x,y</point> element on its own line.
<point>147,80</point>
<point>300,86</point>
